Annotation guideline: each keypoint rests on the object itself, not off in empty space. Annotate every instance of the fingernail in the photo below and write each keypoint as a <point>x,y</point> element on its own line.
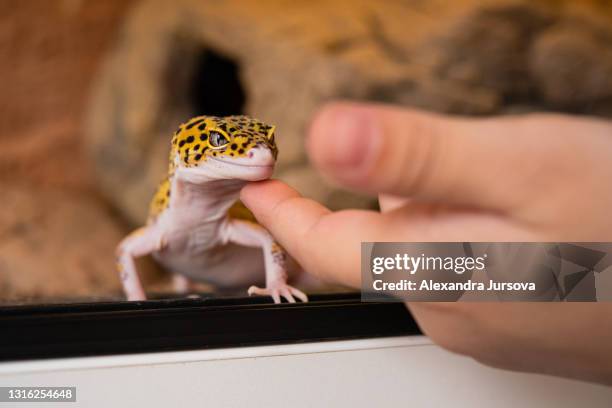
<point>351,137</point>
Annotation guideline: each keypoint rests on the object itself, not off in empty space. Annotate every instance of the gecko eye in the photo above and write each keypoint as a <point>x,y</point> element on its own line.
<point>216,139</point>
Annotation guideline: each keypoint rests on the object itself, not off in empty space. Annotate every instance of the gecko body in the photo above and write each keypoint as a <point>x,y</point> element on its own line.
<point>197,228</point>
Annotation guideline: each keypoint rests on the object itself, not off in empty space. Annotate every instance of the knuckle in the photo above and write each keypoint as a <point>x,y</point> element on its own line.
<point>419,155</point>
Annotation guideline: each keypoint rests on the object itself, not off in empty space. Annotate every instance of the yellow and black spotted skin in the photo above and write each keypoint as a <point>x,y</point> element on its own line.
<point>203,137</point>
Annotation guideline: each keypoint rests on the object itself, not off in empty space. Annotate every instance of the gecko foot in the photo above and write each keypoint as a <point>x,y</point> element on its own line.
<point>277,290</point>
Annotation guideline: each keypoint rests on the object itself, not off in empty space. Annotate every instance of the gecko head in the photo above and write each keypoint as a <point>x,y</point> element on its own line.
<point>231,147</point>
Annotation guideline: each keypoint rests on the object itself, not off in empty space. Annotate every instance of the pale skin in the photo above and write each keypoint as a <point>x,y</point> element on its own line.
<point>538,177</point>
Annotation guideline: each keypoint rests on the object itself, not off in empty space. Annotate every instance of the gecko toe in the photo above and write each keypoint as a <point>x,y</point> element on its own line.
<point>299,294</point>
<point>275,296</point>
<point>287,295</point>
<point>254,290</point>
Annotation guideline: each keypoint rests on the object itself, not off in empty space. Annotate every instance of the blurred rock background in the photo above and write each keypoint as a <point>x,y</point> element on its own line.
<point>57,235</point>
<point>92,89</point>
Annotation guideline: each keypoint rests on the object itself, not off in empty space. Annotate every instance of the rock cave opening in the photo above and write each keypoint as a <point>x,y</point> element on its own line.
<point>215,87</point>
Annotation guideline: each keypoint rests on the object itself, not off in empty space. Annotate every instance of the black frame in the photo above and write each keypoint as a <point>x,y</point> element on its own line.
<point>110,328</point>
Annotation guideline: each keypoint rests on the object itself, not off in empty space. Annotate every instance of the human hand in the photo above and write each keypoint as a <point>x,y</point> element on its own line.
<point>529,178</point>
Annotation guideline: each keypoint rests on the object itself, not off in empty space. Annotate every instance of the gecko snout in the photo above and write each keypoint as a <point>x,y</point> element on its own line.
<point>261,156</point>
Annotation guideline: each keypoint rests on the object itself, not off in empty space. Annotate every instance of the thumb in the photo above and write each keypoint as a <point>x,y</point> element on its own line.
<point>488,163</point>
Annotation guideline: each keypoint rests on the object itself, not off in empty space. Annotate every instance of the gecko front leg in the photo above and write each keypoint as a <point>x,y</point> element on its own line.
<point>141,242</point>
<point>253,235</point>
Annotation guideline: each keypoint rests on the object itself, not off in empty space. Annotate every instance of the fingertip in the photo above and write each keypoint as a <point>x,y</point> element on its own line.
<point>261,197</point>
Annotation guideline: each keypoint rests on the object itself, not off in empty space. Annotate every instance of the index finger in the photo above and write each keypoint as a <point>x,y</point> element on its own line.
<point>324,243</point>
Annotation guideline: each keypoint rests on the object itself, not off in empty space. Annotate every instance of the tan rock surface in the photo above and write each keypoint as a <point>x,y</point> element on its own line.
<point>55,245</point>
<point>52,242</point>
<point>49,53</point>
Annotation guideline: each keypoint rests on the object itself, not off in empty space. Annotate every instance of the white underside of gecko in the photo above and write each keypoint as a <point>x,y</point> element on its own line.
<point>196,234</point>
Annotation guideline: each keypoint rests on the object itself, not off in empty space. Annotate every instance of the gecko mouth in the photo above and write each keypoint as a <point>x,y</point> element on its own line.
<point>243,165</point>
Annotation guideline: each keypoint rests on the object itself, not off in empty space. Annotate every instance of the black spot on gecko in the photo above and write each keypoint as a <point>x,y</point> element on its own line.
<point>192,124</point>
<point>198,157</point>
<point>203,137</point>
<point>196,147</point>
<point>202,126</point>
<point>241,151</point>
<point>232,129</point>
<point>234,146</point>
<point>190,139</point>
<point>181,143</point>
